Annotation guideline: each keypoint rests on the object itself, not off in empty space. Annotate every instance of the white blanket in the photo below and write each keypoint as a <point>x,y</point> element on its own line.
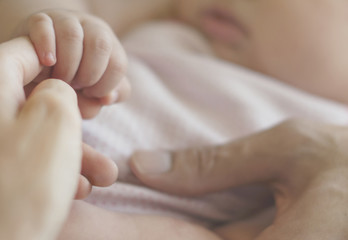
<point>184,96</point>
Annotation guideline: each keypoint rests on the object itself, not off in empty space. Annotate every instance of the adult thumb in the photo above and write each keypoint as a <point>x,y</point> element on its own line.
<point>264,157</point>
<point>50,121</point>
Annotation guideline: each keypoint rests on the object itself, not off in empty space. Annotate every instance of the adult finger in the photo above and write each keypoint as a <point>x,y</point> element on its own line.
<point>98,169</point>
<point>41,32</point>
<point>69,38</point>
<point>266,157</point>
<point>84,188</point>
<point>19,65</point>
<point>51,116</point>
<point>49,127</point>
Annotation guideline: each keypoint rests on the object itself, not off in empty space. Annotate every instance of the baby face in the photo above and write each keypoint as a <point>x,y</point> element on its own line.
<point>301,42</point>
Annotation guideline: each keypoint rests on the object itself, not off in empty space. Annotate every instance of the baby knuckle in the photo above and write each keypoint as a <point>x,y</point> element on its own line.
<point>118,66</point>
<point>73,32</point>
<point>102,44</point>
<point>39,18</point>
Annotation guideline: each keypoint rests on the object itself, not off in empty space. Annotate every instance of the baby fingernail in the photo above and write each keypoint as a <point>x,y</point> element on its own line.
<point>110,98</point>
<point>50,58</point>
<point>152,162</point>
<point>114,96</point>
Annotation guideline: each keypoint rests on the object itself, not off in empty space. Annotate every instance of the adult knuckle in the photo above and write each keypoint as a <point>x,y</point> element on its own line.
<point>200,164</point>
<point>293,130</point>
<point>294,124</point>
<point>307,132</point>
<point>52,103</point>
<point>313,144</point>
<point>205,161</point>
<point>60,112</point>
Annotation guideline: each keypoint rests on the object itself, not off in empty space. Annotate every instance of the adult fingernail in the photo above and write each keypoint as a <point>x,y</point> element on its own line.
<point>152,162</point>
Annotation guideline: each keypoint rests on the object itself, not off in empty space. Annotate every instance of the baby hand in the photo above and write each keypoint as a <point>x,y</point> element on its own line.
<point>83,51</point>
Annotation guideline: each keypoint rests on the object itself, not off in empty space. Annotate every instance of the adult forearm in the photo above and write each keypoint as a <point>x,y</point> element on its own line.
<point>12,12</point>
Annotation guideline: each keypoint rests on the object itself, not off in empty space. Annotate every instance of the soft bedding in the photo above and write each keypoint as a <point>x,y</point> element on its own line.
<point>184,96</point>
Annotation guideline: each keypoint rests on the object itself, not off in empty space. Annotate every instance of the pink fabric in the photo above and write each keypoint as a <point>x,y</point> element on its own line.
<point>183,96</point>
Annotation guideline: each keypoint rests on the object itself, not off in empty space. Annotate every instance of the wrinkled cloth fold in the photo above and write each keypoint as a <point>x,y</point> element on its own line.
<point>183,96</point>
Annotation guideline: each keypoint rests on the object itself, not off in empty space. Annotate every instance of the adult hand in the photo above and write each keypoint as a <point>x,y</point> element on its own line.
<point>19,65</point>
<point>40,148</point>
<point>96,170</point>
<point>305,164</point>
<point>39,163</point>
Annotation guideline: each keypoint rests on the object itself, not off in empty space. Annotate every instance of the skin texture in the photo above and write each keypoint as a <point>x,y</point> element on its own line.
<point>290,29</point>
<point>35,180</point>
<point>304,164</point>
<point>41,149</point>
<point>300,42</point>
<point>109,225</point>
<point>81,50</point>
<point>68,49</point>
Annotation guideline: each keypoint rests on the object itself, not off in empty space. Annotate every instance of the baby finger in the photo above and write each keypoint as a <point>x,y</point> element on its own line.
<point>41,33</point>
